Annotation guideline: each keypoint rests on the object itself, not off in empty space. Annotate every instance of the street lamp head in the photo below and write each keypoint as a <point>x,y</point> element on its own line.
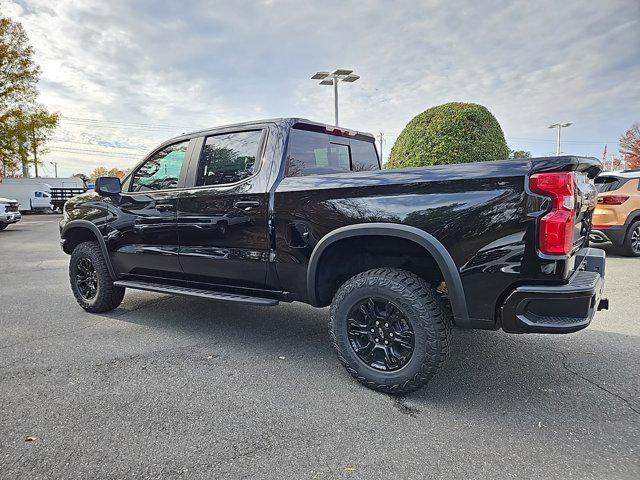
<point>566,124</point>
<point>328,81</point>
<point>341,72</point>
<point>350,78</point>
<point>320,75</point>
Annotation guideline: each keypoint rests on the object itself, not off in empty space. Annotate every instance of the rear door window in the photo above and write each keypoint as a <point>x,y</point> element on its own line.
<point>228,158</point>
<point>315,153</point>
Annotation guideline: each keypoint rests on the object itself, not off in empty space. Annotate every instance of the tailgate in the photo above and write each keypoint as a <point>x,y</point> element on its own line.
<point>586,201</point>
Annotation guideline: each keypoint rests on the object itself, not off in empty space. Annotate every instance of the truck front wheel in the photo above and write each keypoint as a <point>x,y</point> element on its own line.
<point>391,329</point>
<point>90,280</point>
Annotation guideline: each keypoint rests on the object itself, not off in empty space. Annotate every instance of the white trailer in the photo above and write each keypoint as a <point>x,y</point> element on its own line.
<point>31,193</point>
<point>62,189</point>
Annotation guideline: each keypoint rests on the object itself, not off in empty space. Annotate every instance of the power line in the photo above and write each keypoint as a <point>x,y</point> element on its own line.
<point>129,127</point>
<point>163,125</point>
<point>92,121</point>
<point>60,140</point>
<point>96,152</point>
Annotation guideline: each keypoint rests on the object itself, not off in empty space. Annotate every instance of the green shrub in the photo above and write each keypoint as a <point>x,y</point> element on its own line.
<point>450,133</point>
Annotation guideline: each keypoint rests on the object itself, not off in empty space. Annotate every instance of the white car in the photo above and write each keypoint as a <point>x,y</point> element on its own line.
<point>8,212</point>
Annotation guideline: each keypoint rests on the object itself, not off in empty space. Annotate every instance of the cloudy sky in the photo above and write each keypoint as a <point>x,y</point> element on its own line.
<point>126,75</point>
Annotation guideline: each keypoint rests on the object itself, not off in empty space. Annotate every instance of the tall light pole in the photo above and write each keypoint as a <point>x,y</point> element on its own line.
<point>559,126</point>
<point>55,168</point>
<point>332,78</point>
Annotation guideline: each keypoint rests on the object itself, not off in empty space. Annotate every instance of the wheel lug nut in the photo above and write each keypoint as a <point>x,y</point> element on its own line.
<point>373,330</point>
<point>377,323</point>
<point>391,334</point>
<point>386,342</point>
<point>377,340</point>
<point>386,325</point>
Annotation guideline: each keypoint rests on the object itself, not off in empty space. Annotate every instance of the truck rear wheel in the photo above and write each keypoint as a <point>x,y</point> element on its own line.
<point>391,329</point>
<point>3,226</point>
<point>90,280</point>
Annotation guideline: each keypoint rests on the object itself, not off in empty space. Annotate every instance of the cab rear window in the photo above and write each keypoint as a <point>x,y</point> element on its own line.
<point>315,153</point>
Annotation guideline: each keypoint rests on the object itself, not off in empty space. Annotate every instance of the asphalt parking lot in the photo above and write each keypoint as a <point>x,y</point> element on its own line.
<point>176,387</point>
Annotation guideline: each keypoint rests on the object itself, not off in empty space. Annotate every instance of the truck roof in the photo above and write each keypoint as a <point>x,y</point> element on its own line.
<point>283,121</point>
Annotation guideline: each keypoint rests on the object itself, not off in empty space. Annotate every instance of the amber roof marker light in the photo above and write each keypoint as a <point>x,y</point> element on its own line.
<point>332,78</point>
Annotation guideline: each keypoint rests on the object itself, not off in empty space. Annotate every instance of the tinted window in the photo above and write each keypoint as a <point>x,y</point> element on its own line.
<point>364,156</point>
<point>607,184</point>
<point>228,158</point>
<point>162,170</point>
<point>313,153</point>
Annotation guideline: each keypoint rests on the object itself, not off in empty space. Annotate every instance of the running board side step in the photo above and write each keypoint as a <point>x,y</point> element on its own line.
<point>195,292</point>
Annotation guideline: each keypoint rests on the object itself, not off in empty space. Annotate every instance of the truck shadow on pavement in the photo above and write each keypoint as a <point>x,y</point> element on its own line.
<point>492,371</point>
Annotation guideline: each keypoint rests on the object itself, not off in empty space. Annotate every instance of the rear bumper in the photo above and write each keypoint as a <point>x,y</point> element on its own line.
<point>560,308</point>
<point>614,235</point>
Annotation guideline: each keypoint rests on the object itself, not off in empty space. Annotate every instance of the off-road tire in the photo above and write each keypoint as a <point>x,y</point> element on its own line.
<point>3,226</point>
<point>107,296</point>
<point>421,306</point>
<point>627,246</point>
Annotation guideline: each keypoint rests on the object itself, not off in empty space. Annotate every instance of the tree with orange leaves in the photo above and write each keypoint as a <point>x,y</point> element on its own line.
<point>630,147</point>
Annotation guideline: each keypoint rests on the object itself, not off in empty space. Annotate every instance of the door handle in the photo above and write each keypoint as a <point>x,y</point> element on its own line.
<point>246,205</point>
<point>164,207</point>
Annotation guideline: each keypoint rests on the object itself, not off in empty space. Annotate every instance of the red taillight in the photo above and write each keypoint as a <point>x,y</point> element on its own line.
<point>556,227</point>
<point>612,199</point>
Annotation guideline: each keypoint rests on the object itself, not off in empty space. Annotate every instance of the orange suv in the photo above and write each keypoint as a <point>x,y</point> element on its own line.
<point>617,216</point>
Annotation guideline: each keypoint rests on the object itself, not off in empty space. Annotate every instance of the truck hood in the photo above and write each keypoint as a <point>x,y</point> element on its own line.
<point>8,200</point>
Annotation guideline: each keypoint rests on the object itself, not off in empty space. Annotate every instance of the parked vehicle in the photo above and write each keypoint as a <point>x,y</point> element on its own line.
<point>309,216</point>
<point>8,212</point>
<point>32,194</point>
<point>617,216</point>
<point>62,189</point>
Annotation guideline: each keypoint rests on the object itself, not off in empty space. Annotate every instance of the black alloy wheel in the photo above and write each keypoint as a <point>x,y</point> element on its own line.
<point>379,334</point>
<point>86,278</point>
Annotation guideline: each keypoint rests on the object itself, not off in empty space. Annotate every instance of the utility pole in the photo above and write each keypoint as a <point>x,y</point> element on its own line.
<point>380,135</point>
<point>55,168</point>
<point>24,158</point>
<point>34,147</point>
<point>335,99</point>
<point>559,126</point>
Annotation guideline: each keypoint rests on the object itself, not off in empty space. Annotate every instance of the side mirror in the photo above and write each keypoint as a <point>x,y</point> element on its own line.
<point>107,186</point>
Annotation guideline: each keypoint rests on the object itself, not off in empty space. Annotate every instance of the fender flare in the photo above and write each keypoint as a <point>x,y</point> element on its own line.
<point>422,238</point>
<point>631,217</point>
<point>87,225</point>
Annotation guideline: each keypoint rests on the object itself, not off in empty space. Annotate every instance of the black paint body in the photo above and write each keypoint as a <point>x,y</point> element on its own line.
<point>480,217</point>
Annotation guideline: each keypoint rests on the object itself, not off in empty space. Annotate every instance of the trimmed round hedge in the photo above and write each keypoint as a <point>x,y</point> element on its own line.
<point>450,133</point>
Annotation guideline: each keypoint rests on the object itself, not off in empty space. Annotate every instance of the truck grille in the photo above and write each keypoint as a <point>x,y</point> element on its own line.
<point>12,207</point>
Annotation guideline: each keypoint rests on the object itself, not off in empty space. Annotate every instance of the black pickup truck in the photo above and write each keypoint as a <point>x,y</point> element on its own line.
<point>292,210</point>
